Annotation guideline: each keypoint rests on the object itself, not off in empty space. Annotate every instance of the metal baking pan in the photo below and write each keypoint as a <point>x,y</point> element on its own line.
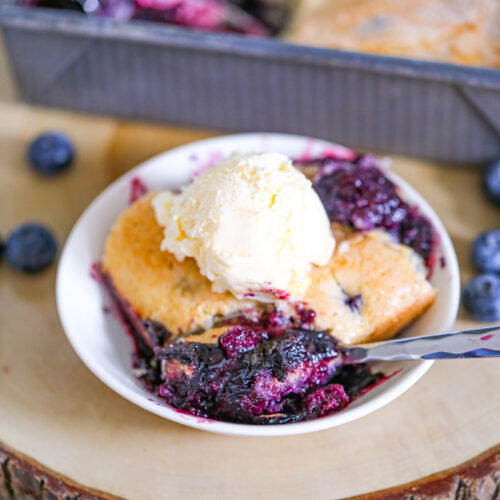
<point>165,73</point>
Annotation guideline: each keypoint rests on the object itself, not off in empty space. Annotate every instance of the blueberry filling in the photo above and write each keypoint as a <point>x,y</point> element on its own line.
<point>249,17</point>
<point>157,332</point>
<point>358,195</point>
<point>270,371</point>
<point>325,401</point>
<point>241,339</point>
<point>275,321</point>
<point>253,378</point>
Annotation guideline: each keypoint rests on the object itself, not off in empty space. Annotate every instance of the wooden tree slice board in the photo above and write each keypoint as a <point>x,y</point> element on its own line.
<point>22,477</point>
<point>54,410</point>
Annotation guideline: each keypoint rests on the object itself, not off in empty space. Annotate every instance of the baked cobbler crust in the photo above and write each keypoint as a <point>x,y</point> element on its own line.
<point>387,278</point>
<point>371,288</point>
<point>158,286</point>
<point>457,31</point>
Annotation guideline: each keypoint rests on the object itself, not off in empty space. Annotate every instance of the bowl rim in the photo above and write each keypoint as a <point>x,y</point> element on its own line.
<point>407,379</point>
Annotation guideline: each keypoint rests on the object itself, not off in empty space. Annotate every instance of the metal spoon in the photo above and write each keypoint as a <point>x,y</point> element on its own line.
<point>477,343</point>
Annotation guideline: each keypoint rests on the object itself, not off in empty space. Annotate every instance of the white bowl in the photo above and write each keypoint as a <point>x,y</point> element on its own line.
<point>106,349</point>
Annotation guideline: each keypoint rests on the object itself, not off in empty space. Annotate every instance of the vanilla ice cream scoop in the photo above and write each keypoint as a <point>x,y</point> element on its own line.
<point>254,225</point>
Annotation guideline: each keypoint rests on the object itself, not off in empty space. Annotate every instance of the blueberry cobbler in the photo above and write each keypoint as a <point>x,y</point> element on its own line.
<point>259,18</point>
<point>240,289</point>
<point>454,31</point>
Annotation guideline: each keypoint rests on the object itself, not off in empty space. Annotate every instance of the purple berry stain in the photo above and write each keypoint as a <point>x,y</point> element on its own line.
<point>137,190</point>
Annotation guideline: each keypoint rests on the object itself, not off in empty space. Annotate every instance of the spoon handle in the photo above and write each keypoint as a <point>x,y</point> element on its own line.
<point>477,343</point>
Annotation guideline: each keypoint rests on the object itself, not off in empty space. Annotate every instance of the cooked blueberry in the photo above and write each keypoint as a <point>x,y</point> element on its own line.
<point>417,232</point>
<point>358,194</point>
<point>289,352</point>
<point>354,303</point>
<point>239,339</point>
<point>324,401</point>
<point>209,16</point>
<point>30,248</point>
<point>51,153</point>
<point>261,376</point>
<point>491,181</point>
<point>486,252</point>
<point>482,297</point>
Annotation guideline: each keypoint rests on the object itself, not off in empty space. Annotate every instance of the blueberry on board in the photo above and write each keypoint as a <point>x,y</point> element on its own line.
<point>51,153</point>
<point>30,248</point>
<point>482,297</point>
<point>491,181</point>
<point>486,252</point>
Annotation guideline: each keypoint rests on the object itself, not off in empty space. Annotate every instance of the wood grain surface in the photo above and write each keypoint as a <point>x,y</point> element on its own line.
<point>7,91</point>
<point>478,478</point>
<point>55,411</point>
<point>22,477</point>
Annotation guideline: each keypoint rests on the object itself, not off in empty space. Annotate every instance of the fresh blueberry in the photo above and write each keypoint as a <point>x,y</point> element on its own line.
<point>486,252</point>
<point>51,153</point>
<point>30,248</point>
<point>491,181</point>
<point>482,297</point>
